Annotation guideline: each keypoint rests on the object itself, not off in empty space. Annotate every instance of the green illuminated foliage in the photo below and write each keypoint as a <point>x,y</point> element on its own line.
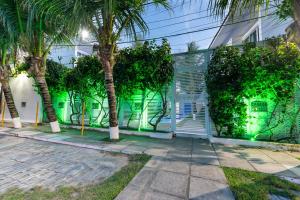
<point>55,74</point>
<point>85,82</point>
<point>238,80</point>
<point>224,85</point>
<point>148,68</point>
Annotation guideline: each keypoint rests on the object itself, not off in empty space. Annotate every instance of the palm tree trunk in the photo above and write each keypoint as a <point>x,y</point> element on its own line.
<point>11,104</point>
<point>297,11</point>
<point>38,70</point>
<point>297,21</point>
<point>106,59</point>
<point>43,87</point>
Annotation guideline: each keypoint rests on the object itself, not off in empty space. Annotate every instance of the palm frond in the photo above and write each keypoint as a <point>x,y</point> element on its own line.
<point>221,7</point>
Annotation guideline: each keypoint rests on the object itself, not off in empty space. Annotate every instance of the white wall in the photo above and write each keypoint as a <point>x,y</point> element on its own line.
<point>67,53</point>
<point>269,26</point>
<point>23,91</point>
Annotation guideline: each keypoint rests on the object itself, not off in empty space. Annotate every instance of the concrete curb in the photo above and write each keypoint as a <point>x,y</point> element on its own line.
<point>80,145</point>
<point>258,144</point>
<point>157,135</point>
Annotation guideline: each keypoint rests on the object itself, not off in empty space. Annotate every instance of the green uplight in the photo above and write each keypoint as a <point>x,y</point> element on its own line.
<point>259,110</point>
<point>252,139</point>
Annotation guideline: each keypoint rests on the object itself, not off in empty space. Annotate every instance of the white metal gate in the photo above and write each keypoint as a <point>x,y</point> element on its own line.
<point>190,112</point>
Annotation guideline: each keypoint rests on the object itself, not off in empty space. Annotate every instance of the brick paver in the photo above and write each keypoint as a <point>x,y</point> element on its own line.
<point>27,163</point>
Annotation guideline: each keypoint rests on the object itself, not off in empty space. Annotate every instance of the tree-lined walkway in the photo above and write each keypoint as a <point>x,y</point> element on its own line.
<point>181,168</point>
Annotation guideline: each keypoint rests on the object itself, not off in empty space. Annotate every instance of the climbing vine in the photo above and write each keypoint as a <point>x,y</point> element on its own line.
<point>148,68</point>
<point>145,70</point>
<point>252,91</point>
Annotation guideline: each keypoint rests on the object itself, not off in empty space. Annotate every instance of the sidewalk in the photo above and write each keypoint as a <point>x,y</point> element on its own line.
<point>181,168</point>
<point>192,172</point>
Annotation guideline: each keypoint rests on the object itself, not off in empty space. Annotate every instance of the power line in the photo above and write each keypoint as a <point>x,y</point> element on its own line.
<point>161,20</point>
<point>177,23</point>
<point>199,26</point>
<point>193,27</point>
<point>196,31</point>
<point>179,34</point>
<point>203,39</point>
<point>200,11</point>
<point>155,28</point>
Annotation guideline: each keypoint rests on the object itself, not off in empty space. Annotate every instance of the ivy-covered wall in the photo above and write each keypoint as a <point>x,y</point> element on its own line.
<point>254,91</point>
<point>131,113</point>
<point>142,78</point>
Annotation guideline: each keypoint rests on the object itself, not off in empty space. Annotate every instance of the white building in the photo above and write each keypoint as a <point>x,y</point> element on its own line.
<point>251,27</point>
<point>67,54</point>
<point>27,100</point>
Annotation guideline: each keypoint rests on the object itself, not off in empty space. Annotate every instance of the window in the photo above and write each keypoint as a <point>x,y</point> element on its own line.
<point>61,104</point>
<point>259,106</point>
<point>253,37</point>
<point>23,104</point>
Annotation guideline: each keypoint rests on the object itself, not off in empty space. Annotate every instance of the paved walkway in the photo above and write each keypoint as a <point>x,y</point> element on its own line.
<point>27,163</point>
<point>280,163</point>
<point>180,168</point>
<point>189,172</point>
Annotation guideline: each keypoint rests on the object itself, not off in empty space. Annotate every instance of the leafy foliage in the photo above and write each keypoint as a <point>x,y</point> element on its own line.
<point>285,9</point>
<point>55,75</point>
<point>224,85</point>
<point>269,72</point>
<point>147,67</point>
<point>83,83</point>
<point>86,78</point>
<point>220,7</point>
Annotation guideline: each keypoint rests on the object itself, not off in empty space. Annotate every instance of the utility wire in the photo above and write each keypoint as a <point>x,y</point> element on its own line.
<point>179,34</point>
<point>196,31</point>
<point>193,13</point>
<point>186,21</point>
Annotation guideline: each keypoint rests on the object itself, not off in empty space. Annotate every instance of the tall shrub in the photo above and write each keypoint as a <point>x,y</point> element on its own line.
<point>236,76</point>
<point>148,68</point>
<point>224,86</point>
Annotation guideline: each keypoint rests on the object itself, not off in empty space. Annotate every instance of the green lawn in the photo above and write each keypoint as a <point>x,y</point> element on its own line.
<point>248,185</point>
<point>107,190</point>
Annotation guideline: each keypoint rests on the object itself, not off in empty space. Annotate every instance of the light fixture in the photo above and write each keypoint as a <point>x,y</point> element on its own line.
<point>84,34</point>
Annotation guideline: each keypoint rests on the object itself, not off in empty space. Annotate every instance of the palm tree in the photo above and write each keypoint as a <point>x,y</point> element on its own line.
<point>6,44</point>
<point>107,20</point>
<point>37,33</point>
<point>288,7</point>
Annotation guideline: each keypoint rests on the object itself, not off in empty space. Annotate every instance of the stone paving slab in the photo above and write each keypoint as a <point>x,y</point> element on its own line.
<point>214,173</point>
<point>170,183</point>
<point>177,176</point>
<point>210,190</point>
<point>280,163</point>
